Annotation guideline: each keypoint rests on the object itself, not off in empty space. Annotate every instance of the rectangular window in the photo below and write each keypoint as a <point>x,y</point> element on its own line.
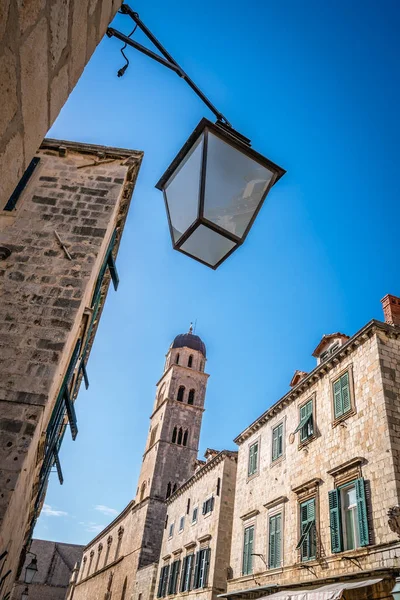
<point>171,530</point>
<point>306,424</point>
<point>348,517</point>
<point>186,576</point>
<point>341,395</point>
<point>208,505</point>
<point>247,564</point>
<point>13,199</point>
<point>181,523</point>
<point>277,442</point>
<point>274,544</point>
<point>201,568</point>
<point>162,583</point>
<point>308,533</point>
<point>253,459</point>
<point>173,580</point>
<point>194,515</point>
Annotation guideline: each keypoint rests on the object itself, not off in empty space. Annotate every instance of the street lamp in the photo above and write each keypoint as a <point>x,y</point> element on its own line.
<point>216,185</point>
<point>31,569</point>
<point>24,595</point>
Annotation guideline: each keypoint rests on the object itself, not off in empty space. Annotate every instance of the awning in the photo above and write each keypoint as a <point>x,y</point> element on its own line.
<point>332,591</point>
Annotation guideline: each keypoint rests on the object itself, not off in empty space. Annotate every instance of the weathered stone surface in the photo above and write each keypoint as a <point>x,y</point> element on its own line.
<point>4,9</point>
<point>58,30</point>
<point>29,12</point>
<point>34,83</point>
<point>78,41</point>
<point>59,92</point>
<point>11,167</point>
<point>8,90</point>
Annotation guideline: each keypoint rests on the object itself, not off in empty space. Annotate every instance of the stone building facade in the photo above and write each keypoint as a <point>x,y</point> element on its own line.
<point>319,471</point>
<point>55,563</point>
<point>60,232</point>
<point>122,560</point>
<point>44,47</point>
<point>195,551</point>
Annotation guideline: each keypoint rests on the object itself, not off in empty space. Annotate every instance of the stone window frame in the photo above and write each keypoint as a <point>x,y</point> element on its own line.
<point>276,507</point>
<point>194,521</point>
<point>171,530</point>
<point>314,436</point>
<point>304,492</point>
<point>181,522</point>
<point>210,512</point>
<point>257,440</point>
<point>353,410</point>
<point>278,460</point>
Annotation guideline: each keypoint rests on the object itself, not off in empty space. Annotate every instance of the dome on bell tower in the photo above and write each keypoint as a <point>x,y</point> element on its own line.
<point>189,340</point>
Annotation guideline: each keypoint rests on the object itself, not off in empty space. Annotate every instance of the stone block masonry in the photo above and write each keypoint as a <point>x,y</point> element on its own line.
<point>80,195</point>
<point>44,47</point>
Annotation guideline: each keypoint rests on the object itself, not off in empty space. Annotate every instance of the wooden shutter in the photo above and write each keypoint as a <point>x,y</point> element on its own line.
<point>160,583</point>
<point>183,574</point>
<point>212,504</point>
<point>275,444</point>
<point>189,572</point>
<point>250,467</point>
<point>335,521</point>
<point>207,553</point>
<point>280,439</point>
<point>362,512</point>
<point>345,390</point>
<point>165,581</point>
<point>274,557</point>
<point>196,571</point>
<point>337,399</point>
<point>245,552</point>
<point>204,508</point>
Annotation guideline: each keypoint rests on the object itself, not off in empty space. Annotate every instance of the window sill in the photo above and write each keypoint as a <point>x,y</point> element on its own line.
<point>278,460</point>
<point>344,417</point>
<point>305,443</point>
<point>252,476</point>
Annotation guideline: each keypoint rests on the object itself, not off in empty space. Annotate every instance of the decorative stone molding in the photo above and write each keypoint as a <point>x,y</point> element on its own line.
<point>250,514</point>
<point>109,540</point>
<point>347,471</point>
<point>99,548</point>
<point>394,519</point>
<point>91,553</point>
<point>275,502</point>
<point>120,532</point>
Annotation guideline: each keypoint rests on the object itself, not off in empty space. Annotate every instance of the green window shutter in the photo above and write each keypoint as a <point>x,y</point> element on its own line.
<point>160,583</point>
<point>280,439</point>
<point>362,512</point>
<point>250,467</point>
<point>337,399</point>
<point>345,390</point>
<point>255,457</point>
<point>196,571</point>
<point>182,586</point>
<point>207,553</point>
<point>274,557</point>
<point>165,581</point>
<point>189,572</point>
<point>307,542</point>
<point>278,539</point>
<point>335,521</point>
<point>247,550</point>
<point>113,271</point>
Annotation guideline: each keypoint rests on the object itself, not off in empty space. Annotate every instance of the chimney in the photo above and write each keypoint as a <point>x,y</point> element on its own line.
<point>391,309</point>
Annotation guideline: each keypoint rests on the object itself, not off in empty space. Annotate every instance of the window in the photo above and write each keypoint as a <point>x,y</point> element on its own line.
<point>142,490</point>
<point>277,442</point>
<point>185,438</point>
<point>247,564</point>
<point>191,397</point>
<point>153,436</point>
<point>306,424</point>
<point>208,505</point>
<point>173,580</point>
<point>194,515</point>
<point>218,486</point>
<point>201,568</point>
<point>186,576</point>
<point>12,201</point>
<point>348,516</point>
<point>253,459</point>
<point>162,583</point>
<point>181,523</point>
<point>274,542</point>
<point>181,393</point>
<point>190,361</point>
<point>171,530</point>
<point>177,359</point>
<point>341,395</point>
<point>180,434</point>
<point>308,535</point>
<point>167,495</point>
<point>174,434</point>
<point>188,506</point>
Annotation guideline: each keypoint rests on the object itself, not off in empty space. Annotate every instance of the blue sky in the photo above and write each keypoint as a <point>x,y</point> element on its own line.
<point>314,85</point>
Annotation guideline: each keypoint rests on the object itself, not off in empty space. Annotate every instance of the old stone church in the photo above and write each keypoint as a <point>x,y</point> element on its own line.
<point>124,557</point>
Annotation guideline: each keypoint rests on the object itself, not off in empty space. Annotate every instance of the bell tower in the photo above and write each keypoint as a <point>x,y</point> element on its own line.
<point>173,439</point>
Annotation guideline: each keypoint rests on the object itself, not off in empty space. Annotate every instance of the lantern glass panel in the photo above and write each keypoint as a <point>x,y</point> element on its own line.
<point>235,186</point>
<point>207,245</point>
<point>182,191</point>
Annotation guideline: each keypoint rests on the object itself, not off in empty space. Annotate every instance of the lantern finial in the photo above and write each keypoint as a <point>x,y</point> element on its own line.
<point>191,328</point>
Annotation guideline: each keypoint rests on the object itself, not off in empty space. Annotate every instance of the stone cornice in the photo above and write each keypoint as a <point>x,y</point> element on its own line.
<point>318,373</point>
<point>211,464</point>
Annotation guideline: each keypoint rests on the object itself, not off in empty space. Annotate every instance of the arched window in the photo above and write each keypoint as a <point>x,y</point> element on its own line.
<point>160,396</point>
<point>177,359</point>
<point>191,397</point>
<point>174,488</point>
<point>153,436</point>
<point>181,393</point>
<point>180,433</point>
<point>185,438</point>
<point>190,361</point>
<point>174,434</point>
<point>142,490</point>
<point>168,490</point>
<point>202,365</point>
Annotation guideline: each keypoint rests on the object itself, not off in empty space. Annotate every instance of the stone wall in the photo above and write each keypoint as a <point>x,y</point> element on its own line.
<point>365,443</point>
<point>212,530</point>
<point>46,306</point>
<point>44,47</point>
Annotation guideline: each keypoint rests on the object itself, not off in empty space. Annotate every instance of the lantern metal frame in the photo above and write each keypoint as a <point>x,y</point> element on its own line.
<point>240,143</point>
